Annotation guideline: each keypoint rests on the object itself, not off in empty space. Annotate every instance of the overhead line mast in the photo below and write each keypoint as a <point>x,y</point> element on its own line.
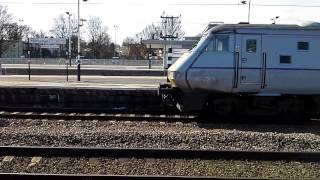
<point>165,21</point>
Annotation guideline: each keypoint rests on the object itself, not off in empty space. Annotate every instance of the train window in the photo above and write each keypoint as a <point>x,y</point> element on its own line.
<point>222,43</point>
<point>251,45</point>
<point>210,47</point>
<point>303,46</point>
<point>285,59</point>
<point>170,50</point>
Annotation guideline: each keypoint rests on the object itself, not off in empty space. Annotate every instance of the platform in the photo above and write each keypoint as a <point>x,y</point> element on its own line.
<point>87,82</point>
<point>92,70</point>
<point>129,94</point>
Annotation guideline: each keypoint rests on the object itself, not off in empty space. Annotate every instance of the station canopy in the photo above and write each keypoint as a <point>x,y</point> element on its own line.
<point>160,44</point>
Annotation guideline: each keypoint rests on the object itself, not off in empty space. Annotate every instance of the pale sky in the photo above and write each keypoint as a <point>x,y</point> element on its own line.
<point>131,16</point>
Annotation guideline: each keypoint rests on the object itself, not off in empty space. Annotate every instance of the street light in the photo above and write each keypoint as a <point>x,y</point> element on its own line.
<point>249,3</point>
<point>274,19</point>
<point>115,39</point>
<point>78,55</point>
<point>69,36</point>
<point>20,37</point>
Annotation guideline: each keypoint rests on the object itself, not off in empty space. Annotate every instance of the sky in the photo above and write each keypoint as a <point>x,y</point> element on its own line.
<point>131,16</point>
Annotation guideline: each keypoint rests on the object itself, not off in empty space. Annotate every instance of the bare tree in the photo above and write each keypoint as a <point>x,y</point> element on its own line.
<point>133,49</point>
<point>5,19</point>
<point>150,32</point>
<point>99,39</point>
<point>24,31</point>
<point>10,32</point>
<point>60,27</point>
<point>171,26</point>
<point>40,34</point>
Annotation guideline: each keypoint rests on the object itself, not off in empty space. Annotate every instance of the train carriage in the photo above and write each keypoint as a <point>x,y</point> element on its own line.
<point>236,67</point>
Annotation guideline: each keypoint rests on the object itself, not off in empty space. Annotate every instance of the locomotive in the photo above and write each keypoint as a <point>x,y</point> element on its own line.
<point>248,68</point>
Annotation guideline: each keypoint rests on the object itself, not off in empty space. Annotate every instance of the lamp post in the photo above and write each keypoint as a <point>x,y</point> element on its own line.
<point>249,11</point>
<point>115,39</point>
<point>78,54</point>
<point>20,37</point>
<point>274,19</point>
<point>69,36</point>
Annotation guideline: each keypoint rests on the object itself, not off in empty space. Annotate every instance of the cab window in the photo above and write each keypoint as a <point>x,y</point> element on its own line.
<point>210,47</point>
<point>221,43</point>
<point>218,44</point>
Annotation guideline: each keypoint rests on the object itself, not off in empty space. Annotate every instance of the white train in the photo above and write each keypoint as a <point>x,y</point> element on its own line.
<point>246,67</point>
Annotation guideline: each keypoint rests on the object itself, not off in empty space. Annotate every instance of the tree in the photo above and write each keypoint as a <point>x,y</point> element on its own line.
<point>99,40</point>
<point>60,27</point>
<point>5,20</point>
<point>133,49</point>
<point>171,26</point>
<point>10,31</point>
<point>40,34</point>
<point>150,32</point>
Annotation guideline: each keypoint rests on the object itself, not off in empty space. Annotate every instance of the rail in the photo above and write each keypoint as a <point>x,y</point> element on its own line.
<point>157,153</point>
<point>23,176</point>
<point>99,116</point>
<point>143,153</point>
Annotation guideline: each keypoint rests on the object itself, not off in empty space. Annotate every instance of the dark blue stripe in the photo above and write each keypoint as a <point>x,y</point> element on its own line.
<point>285,69</point>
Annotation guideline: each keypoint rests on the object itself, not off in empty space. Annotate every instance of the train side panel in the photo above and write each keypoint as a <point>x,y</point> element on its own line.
<point>292,64</point>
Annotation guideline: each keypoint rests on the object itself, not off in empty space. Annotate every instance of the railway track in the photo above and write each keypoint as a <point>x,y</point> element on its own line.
<point>155,116</point>
<point>42,152</point>
<point>157,153</point>
<point>96,116</point>
<point>22,176</point>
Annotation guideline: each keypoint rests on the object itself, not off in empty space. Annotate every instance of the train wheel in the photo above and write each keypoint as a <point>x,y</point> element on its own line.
<point>292,111</point>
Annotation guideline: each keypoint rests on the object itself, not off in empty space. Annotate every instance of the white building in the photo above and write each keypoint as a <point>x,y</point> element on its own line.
<point>171,49</point>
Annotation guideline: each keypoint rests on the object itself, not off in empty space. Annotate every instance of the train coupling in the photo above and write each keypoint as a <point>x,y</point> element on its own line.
<point>168,94</point>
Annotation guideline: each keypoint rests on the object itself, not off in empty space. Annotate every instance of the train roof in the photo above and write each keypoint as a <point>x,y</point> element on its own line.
<point>263,27</point>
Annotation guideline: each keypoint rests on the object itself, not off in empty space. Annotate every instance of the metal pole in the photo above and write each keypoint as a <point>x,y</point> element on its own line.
<point>78,56</point>
<point>67,71</point>
<point>115,40</point>
<point>18,48</point>
<point>29,70</point>
<point>149,56</point>
<point>69,52</point>
<point>29,61</point>
<point>249,11</point>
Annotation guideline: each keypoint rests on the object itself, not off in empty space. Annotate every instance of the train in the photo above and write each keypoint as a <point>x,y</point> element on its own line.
<point>249,69</point>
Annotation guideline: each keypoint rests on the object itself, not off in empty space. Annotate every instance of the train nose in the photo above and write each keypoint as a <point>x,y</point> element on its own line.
<point>173,76</point>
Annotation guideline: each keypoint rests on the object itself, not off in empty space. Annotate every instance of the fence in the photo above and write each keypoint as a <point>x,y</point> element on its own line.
<point>83,61</point>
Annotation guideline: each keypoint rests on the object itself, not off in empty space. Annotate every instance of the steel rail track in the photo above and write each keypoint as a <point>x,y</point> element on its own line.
<point>143,153</point>
<point>95,116</point>
<point>150,117</point>
<point>67,114</point>
<point>157,153</point>
<point>23,176</point>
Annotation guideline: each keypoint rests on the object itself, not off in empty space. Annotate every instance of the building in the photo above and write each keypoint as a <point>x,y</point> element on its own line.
<point>171,50</point>
<point>15,49</point>
<point>38,47</point>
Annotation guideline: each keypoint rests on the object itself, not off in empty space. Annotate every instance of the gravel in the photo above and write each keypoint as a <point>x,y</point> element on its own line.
<point>168,167</point>
<point>159,135</point>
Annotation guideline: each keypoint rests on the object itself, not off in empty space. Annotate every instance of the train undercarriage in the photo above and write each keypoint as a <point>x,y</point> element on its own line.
<point>220,104</point>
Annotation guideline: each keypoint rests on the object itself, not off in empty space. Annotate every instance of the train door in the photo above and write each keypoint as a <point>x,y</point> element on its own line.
<point>250,62</point>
